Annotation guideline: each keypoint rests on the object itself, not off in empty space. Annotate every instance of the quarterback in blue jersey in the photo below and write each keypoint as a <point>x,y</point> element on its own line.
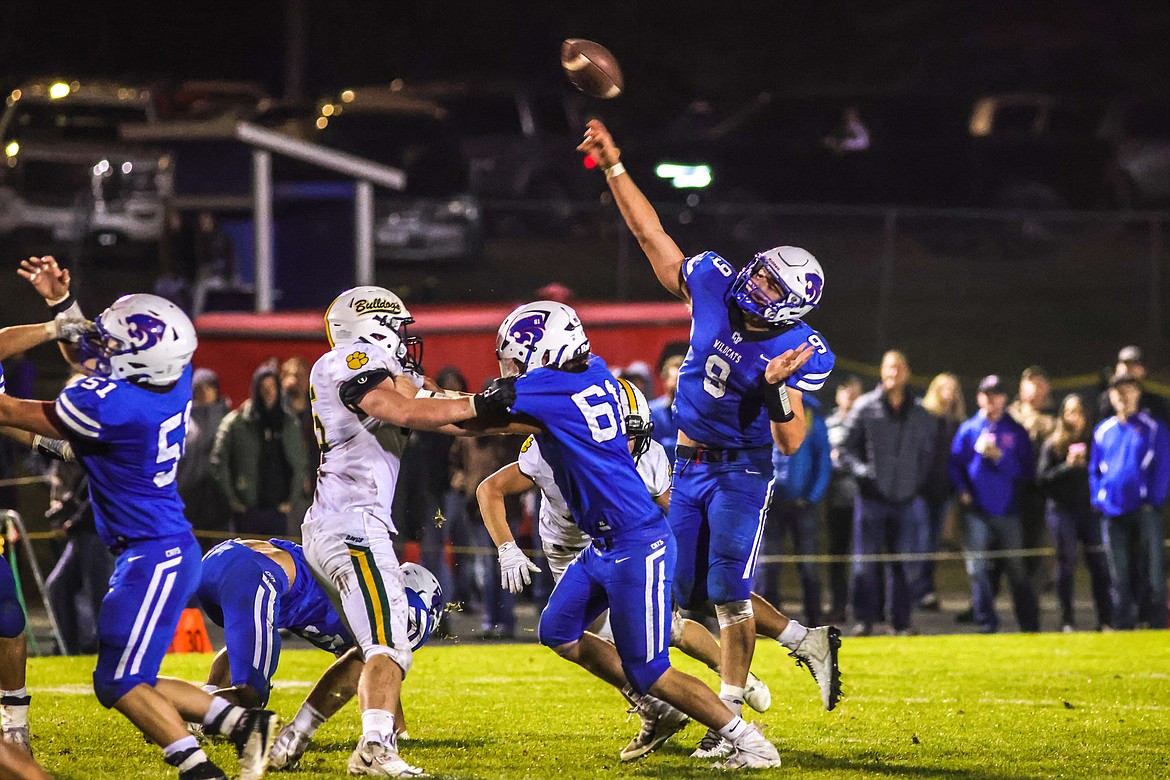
<point>127,424</point>
<point>739,394</point>
<point>572,401</point>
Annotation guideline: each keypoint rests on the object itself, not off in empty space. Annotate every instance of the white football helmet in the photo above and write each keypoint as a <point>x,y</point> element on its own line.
<point>636,410</point>
<point>424,601</point>
<point>541,333</point>
<point>799,275</point>
<point>377,316</point>
<point>140,338</point>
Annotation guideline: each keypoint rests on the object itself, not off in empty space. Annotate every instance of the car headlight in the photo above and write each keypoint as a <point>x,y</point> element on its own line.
<point>684,176</point>
<point>458,208</point>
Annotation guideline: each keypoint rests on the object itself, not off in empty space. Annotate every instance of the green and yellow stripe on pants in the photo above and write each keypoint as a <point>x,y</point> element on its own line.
<point>374,593</point>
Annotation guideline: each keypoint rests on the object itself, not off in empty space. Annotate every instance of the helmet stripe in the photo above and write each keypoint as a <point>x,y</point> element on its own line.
<point>630,398</point>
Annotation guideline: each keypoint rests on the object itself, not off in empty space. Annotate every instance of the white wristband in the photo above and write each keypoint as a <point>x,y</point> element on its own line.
<point>617,169</point>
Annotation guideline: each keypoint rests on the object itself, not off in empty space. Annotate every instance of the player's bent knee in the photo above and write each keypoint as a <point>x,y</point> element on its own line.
<point>568,650</point>
<point>12,622</point>
<point>110,691</point>
<point>733,613</point>
<point>402,657</point>
<point>644,674</point>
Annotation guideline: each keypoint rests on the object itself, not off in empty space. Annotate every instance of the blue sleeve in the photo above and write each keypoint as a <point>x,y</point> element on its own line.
<point>1095,468</point>
<point>1160,471</point>
<point>812,375</point>
<point>822,460</point>
<point>960,457</point>
<point>530,395</point>
<point>707,273</point>
<point>87,409</point>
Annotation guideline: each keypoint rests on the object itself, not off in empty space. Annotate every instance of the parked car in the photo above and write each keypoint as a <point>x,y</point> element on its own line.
<point>67,177</point>
<point>436,217</point>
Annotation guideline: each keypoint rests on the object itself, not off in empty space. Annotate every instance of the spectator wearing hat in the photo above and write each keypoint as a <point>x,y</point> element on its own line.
<point>991,457</point>
<point>889,447</point>
<point>206,507</point>
<point>1131,363</point>
<point>259,458</point>
<point>1129,475</point>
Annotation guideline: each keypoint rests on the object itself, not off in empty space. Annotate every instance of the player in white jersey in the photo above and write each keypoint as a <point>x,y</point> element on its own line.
<point>370,377</point>
<point>563,541</point>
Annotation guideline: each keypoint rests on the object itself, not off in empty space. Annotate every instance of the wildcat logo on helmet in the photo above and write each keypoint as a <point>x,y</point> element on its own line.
<point>528,330</point>
<point>813,284</point>
<point>144,330</point>
<point>362,306</point>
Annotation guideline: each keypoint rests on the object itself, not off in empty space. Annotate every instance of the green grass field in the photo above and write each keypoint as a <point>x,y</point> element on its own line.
<point>1010,706</point>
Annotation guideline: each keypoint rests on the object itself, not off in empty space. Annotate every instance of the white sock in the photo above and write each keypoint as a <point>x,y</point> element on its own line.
<point>307,720</point>
<point>792,635</point>
<point>732,696</point>
<point>180,745</point>
<point>14,715</point>
<point>378,726</point>
<point>222,716</point>
<point>734,730</point>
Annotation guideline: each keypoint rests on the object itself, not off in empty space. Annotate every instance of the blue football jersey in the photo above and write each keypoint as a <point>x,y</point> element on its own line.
<point>585,445</point>
<point>306,610</point>
<point>129,439</point>
<point>3,386</point>
<point>720,398</point>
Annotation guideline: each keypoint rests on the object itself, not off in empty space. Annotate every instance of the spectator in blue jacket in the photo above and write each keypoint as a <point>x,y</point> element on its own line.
<point>801,481</point>
<point>661,411</point>
<point>1129,473</point>
<point>991,458</point>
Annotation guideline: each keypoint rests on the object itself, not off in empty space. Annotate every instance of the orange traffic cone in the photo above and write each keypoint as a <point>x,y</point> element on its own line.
<point>191,635</point>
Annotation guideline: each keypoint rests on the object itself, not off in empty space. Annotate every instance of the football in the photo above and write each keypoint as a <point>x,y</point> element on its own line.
<point>591,68</point>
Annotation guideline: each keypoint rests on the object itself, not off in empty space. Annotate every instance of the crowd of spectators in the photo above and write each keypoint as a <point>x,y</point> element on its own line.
<point>1088,480</point>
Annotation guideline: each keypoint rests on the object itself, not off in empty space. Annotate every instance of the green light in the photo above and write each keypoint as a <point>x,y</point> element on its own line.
<point>684,176</point>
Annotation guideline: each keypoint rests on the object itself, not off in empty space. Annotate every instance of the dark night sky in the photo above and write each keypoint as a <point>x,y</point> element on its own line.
<point>668,50</point>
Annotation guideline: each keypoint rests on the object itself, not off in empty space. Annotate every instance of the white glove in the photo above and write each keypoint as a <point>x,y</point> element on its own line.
<point>57,449</point>
<point>515,568</point>
<point>70,328</point>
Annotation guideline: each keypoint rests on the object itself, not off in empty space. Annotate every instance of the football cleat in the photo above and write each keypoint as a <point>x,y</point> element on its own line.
<point>751,750</point>
<point>378,760</point>
<point>818,653</point>
<point>253,737</point>
<point>660,721</point>
<point>17,736</point>
<point>288,748</point>
<point>756,694</point>
<point>199,770</point>
<point>712,745</point>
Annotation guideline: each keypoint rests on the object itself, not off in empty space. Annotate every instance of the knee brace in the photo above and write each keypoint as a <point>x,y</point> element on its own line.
<point>11,615</point>
<point>643,674</point>
<point>677,622</point>
<point>734,612</point>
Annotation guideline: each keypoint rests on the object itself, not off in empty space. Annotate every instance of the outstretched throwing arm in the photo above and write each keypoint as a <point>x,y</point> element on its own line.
<point>640,217</point>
